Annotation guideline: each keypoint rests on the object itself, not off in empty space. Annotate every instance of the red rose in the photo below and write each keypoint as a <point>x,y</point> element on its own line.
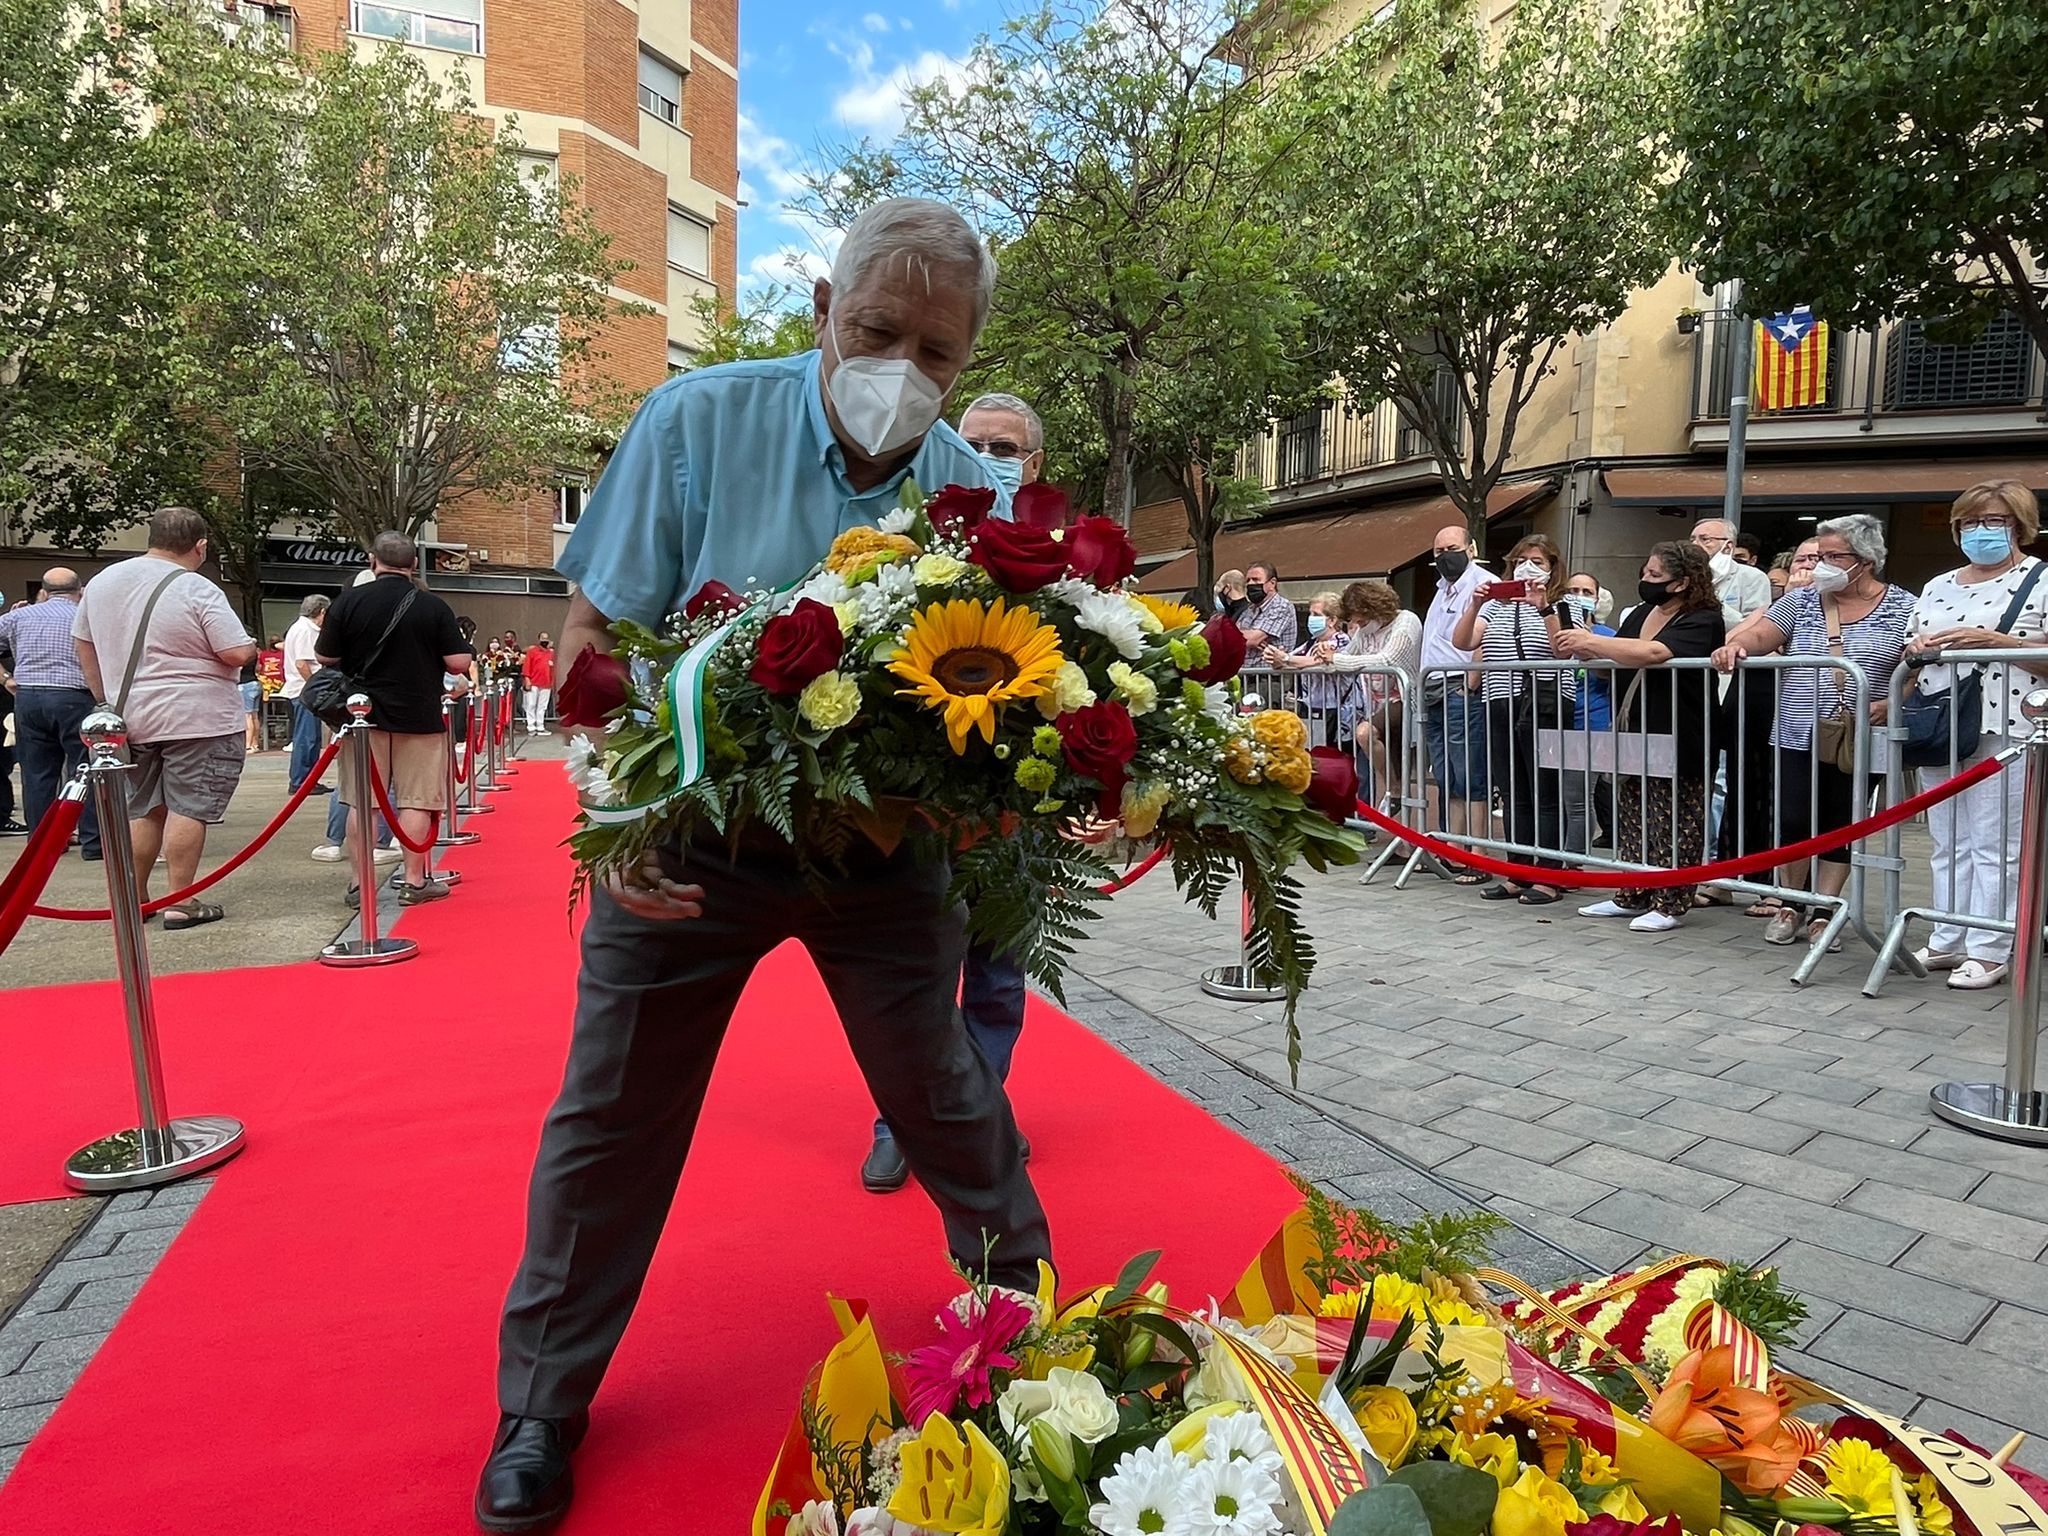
<point>595,686</point>
<point>1226,651</point>
<point>713,595</point>
<point>1608,1525</point>
<point>1100,742</point>
<point>796,647</point>
<point>959,509</point>
<point>1099,550</point>
<point>1334,789</point>
<point>1039,505</point>
<point>1020,559</point>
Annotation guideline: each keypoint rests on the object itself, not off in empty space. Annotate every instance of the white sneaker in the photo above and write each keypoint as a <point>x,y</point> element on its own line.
<point>1975,976</point>
<point>1609,908</point>
<point>1939,959</point>
<point>327,853</point>
<point>389,855</point>
<point>1653,922</point>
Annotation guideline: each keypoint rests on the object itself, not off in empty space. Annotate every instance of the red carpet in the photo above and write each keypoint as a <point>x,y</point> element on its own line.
<point>315,1353</point>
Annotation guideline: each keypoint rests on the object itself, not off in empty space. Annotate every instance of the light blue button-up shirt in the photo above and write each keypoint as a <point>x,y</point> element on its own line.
<point>731,473</point>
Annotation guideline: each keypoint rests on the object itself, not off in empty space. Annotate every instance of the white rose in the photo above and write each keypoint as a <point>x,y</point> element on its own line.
<point>1081,1406</point>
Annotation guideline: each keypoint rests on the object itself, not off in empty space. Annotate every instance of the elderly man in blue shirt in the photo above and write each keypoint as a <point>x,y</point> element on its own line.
<point>744,474</point>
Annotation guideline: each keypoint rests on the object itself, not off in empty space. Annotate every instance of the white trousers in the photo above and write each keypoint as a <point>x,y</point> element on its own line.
<point>1976,856</point>
<point>536,700</point>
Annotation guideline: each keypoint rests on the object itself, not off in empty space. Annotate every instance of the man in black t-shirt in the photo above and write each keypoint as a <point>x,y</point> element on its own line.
<point>402,675</point>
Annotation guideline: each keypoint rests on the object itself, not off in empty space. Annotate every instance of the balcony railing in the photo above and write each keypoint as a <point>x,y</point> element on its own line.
<point>1331,439</point>
<point>1896,372</point>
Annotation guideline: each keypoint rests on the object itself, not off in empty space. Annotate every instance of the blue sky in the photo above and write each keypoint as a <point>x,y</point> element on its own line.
<point>815,76</point>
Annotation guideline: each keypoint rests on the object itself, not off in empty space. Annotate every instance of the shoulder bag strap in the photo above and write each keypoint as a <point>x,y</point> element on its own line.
<point>1833,617</point>
<point>142,635</point>
<point>377,650</point>
<point>2019,598</point>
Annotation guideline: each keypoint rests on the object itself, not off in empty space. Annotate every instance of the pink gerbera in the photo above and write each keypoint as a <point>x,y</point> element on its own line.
<point>957,1368</point>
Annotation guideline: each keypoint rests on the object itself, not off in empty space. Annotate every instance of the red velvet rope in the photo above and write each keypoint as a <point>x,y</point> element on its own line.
<point>504,717</point>
<point>31,872</point>
<point>208,881</point>
<point>1131,877</point>
<point>391,814</point>
<point>1657,879</point>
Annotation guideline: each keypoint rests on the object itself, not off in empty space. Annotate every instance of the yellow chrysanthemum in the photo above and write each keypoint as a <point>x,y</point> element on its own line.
<point>1290,767</point>
<point>970,660</point>
<point>1860,1475</point>
<point>863,546</point>
<point>1935,1519</point>
<point>1279,728</point>
<point>1394,1297</point>
<point>1239,761</point>
<point>1171,615</point>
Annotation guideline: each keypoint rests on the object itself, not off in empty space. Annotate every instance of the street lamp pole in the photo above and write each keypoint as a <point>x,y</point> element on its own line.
<point>1742,363</point>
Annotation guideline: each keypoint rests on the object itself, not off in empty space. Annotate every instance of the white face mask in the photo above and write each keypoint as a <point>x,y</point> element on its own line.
<point>1721,564</point>
<point>1529,570</point>
<point>883,402</point>
<point>1829,578</point>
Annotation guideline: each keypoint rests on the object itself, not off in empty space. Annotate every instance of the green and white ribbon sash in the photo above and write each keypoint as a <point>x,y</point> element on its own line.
<point>686,685</point>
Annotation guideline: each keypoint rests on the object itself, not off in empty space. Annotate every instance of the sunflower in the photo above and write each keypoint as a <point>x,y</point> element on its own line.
<point>1171,615</point>
<point>967,660</point>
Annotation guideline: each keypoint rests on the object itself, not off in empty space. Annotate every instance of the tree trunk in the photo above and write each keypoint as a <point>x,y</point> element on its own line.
<point>1119,481</point>
<point>1198,495</point>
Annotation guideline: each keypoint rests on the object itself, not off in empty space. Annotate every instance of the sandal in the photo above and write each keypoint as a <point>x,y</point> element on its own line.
<point>1470,877</point>
<point>191,914</point>
<point>1503,892</point>
<point>1536,896</point>
<point>1767,906</point>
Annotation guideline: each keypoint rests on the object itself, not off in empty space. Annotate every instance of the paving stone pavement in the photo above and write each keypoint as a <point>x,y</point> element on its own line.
<point>1620,1094</point>
<point>52,1336</point>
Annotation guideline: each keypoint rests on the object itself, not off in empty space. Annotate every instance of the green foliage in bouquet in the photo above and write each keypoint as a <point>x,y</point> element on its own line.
<point>991,692</point>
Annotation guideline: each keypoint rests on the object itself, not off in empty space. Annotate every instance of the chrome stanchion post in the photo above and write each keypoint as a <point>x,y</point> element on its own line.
<point>158,1149</point>
<point>2015,1110</point>
<point>472,765</point>
<point>490,785</point>
<point>510,714</point>
<point>1242,983</point>
<point>449,836</point>
<point>368,948</point>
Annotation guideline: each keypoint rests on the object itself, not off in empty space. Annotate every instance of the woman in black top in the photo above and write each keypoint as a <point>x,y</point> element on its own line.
<point>1661,823</point>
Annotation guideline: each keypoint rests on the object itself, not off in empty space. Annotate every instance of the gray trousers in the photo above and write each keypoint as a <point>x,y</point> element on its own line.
<point>653,1002</point>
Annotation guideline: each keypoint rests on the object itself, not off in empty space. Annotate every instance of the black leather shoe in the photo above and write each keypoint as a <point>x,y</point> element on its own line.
<point>884,1172</point>
<point>1027,1147</point>
<point>526,1484</point>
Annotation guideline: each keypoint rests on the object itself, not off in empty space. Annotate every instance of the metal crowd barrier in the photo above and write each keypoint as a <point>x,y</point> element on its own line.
<point>1562,778</point>
<point>1975,883</point>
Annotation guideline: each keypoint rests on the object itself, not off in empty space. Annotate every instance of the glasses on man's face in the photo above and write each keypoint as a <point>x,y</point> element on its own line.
<point>1994,521</point>
<point>1708,540</point>
<point>998,447</point>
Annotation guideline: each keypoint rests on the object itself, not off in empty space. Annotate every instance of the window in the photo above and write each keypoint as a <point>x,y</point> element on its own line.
<point>681,359</point>
<point>456,25</point>
<point>538,175</point>
<point>689,242</point>
<point>1301,446</point>
<point>661,90</point>
<point>536,348</point>
<point>569,504</point>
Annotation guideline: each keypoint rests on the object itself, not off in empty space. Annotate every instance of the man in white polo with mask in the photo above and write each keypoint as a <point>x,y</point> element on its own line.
<point>1743,589</point>
<point>744,473</point>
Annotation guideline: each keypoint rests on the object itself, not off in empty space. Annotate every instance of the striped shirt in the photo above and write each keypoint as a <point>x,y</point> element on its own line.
<point>1515,632</point>
<point>1873,642</point>
<point>40,637</point>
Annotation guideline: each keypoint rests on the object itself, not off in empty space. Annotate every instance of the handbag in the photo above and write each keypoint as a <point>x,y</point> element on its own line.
<point>1932,721</point>
<point>327,691</point>
<point>1834,739</point>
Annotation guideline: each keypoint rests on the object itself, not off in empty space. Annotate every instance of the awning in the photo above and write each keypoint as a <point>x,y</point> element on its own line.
<point>1805,484</point>
<point>1340,546</point>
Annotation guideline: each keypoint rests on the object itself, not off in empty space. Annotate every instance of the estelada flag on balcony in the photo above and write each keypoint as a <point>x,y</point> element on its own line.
<point>1791,361</point>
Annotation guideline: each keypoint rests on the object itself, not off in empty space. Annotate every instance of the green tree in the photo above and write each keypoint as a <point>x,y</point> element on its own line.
<point>773,323</point>
<point>1478,198</point>
<point>1877,159</point>
<point>382,300</point>
<point>1116,156</point>
<point>89,436</point>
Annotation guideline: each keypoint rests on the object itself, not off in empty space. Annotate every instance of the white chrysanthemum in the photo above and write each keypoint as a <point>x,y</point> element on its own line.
<point>827,587</point>
<point>1241,1437</point>
<point>1230,1498</point>
<point>1216,704</point>
<point>898,521</point>
<point>1144,1495</point>
<point>580,756</point>
<point>1115,618</point>
<point>1071,590</point>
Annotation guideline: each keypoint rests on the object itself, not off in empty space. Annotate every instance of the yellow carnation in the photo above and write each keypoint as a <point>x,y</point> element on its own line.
<point>867,546</point>
<point>1139,693</point>
<point>1279,728</point>
<point>937,570</point>
<point>1141,809</point>
<point>1535,1505</point>
<point>1238,759</point>
<point>1387,1418</point>
<point>829,701</point>
<point>1067,692</point>
<point>1290,767</point>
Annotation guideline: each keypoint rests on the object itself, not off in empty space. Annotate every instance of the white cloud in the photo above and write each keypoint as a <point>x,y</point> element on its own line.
<point>876,103</point>
<point>875,22</point>
<point>788,265</point>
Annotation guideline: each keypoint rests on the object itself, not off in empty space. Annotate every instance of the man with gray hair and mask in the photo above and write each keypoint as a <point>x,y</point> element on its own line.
<point>1010,438</point>
<point>743,473</point>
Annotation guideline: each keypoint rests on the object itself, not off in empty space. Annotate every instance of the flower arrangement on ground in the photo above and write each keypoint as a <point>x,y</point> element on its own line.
<point>991,686</point>
<point>1359,1381</point>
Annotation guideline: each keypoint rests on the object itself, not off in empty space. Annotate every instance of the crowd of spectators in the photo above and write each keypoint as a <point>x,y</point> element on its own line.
<point>1731,759</point>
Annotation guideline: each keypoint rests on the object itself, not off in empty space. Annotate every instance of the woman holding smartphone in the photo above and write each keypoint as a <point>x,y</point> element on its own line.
<point>1505,623</point>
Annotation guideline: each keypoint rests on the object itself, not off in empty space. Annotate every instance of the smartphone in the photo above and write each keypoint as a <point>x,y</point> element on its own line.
<point>1567,616</point>
<point>1505,591</point>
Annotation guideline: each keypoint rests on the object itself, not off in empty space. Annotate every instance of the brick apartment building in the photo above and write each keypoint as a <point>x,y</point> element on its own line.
<point>642,107</point>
